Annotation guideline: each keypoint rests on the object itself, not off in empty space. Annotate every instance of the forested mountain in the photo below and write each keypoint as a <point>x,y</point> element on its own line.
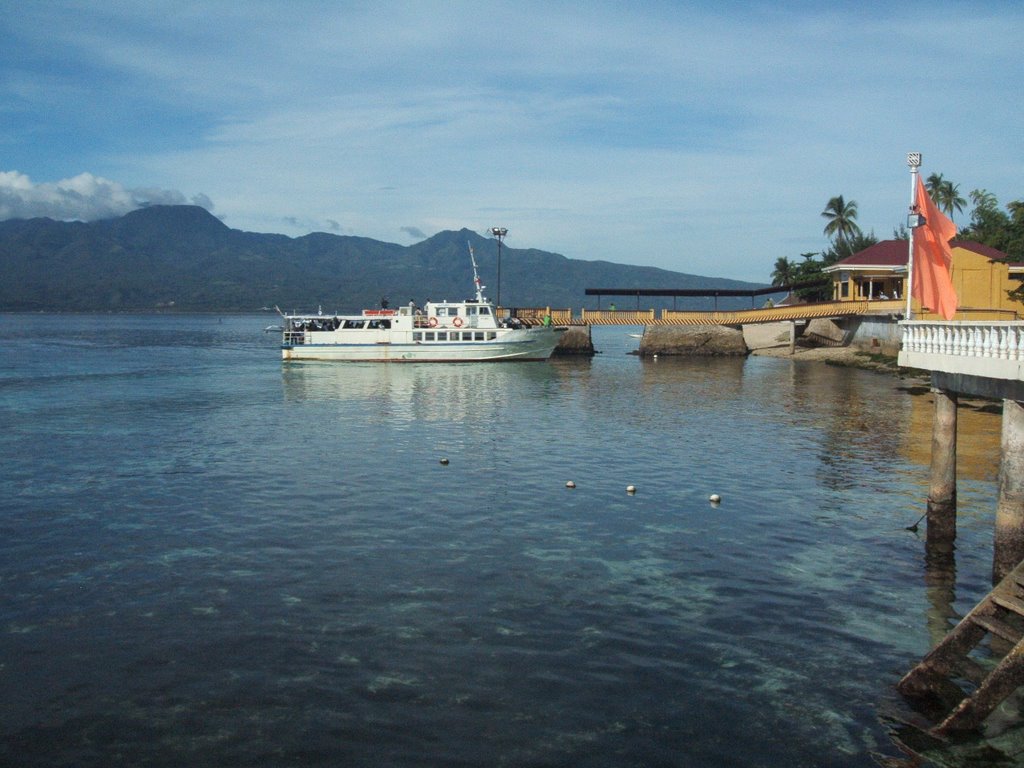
<point>182,257</point>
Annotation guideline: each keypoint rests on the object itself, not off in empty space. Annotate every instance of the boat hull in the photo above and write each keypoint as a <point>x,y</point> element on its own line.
<point>521,345</point>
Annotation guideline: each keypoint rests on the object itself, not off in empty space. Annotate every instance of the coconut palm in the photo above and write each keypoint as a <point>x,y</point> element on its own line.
<point>784,272</point>
<point>945,194</point>
<point>949,198</point>
<point>934,186</point>
<point>842,219</point>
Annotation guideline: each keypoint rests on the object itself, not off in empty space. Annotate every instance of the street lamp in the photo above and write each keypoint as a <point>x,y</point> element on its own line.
<point>914,219</point>
<point>499,232</point>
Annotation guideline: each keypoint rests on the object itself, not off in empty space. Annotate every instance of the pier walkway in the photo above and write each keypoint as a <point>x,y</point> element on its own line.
<point>795,312</point>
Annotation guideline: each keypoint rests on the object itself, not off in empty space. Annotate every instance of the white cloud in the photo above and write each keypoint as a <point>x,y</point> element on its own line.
<point>82,198</point>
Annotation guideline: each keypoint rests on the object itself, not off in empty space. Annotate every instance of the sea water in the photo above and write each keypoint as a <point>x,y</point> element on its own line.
<point>209,557</point>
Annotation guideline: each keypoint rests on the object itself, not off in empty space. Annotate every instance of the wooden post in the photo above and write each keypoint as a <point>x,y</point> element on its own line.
<point>942,485</point>
<point>792,337</point>
<point>1008,548</point>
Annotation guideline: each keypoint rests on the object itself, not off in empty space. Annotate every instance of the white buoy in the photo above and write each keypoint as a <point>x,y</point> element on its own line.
<point>444,462</point>
<point>570,484</point>
<point>714,498</point>
<point>630,489</point>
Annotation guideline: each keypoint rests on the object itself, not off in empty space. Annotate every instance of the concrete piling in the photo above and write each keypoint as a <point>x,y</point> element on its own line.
<point>942,479</point>
<point>1008,548</point>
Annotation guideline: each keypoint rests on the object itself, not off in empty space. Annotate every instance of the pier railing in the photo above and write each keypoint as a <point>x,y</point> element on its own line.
<point>737,317</point>
<point>992,349</point>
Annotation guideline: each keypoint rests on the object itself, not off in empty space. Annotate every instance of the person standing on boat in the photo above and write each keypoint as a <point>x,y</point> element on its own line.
<point>384,302</point>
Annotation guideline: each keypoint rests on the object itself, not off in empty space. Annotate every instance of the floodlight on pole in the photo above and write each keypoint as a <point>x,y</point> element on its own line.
<point>499,232</point>
<point>914,219</point>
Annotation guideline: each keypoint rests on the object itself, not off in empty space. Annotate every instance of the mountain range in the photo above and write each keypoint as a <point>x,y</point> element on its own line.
<point>182,257</point>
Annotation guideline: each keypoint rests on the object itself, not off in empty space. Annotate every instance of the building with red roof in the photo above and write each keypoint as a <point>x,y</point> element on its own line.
<point>982,277</point>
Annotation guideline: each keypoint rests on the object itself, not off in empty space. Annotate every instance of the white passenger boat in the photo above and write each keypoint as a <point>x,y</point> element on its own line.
<point>440,331</point>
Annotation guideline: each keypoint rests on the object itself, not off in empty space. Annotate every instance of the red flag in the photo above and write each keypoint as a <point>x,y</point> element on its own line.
<point>933,259</point>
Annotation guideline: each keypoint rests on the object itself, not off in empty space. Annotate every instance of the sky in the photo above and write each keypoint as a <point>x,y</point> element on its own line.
<point>699,137</point>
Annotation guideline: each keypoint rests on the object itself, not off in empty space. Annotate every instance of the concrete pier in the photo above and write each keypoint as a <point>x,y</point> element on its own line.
<point>1009,533</point>
<point>942,479</point>
<point>576,340</point>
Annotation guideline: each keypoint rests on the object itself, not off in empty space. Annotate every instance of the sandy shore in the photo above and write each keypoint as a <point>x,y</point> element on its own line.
<point>772,340</point>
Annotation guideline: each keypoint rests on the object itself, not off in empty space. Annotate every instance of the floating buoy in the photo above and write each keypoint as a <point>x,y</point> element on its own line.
<point>444,462</point>
<point>714,498</point>
<point>630,489</point>
<point>570,484</point>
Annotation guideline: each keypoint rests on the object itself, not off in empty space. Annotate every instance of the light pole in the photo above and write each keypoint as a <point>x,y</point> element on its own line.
<point>914,219</point>
<point>499,232</point>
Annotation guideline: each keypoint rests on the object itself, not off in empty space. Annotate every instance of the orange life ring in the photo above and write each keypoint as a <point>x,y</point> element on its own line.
<point>432,322</point>
<point>457,322</point>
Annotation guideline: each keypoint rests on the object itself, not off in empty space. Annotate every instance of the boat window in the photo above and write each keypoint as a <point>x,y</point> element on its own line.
<point>470,310</point>
<point>478,336</point>
<point>485,310</point>
<point>428,336</point>
<point>417,336</point>
<point>442,336</point>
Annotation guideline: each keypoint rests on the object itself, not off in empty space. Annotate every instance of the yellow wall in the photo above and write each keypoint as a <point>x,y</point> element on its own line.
<point>980,284</point>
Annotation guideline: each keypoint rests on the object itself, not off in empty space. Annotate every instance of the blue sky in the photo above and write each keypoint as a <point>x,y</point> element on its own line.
<point>702,137</point>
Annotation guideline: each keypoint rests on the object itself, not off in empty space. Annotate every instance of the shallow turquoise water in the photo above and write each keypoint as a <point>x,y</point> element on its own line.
<point>211,558</point>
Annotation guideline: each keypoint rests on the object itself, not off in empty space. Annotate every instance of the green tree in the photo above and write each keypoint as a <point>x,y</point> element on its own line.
<point>945,194</point>
<point>784,271</point>
<point>950,200</point>
<point>842,219</point>
<point>932,185</point>
<point>809,271</point>
<point>993,227</point>
<point>842,249</point>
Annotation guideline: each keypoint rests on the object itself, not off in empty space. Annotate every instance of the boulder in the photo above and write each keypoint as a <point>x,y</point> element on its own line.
<point>575,341</point>
<point>693,340</point>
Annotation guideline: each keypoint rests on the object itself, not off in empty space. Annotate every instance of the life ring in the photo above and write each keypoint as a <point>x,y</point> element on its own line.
<point>457,322</point>
<point>432,322</point>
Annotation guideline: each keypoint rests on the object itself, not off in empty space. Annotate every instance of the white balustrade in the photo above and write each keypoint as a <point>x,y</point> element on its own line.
<point>993,348</point>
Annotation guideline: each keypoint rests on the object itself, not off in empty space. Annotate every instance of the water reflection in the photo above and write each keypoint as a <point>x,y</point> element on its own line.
<point>978,428</point>
<point>940,588</point>
<point>454,393</point>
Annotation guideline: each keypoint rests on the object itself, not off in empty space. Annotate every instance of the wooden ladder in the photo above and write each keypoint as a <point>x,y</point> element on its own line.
<point>943,681</point>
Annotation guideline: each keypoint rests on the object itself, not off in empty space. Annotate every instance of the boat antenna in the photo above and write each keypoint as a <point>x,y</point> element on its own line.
<point>476,278</point>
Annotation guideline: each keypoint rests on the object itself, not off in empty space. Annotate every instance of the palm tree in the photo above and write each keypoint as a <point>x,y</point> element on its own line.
<point>784,272</point>
<point>934,186</point>
<point>945,194</point>
<point>949,198</point>
<point>842,219</point>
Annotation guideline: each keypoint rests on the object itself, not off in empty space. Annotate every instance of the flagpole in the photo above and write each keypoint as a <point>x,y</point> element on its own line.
<point>913,220</point>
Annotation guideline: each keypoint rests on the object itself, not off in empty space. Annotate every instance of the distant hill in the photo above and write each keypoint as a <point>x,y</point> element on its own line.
<point>183,257</point>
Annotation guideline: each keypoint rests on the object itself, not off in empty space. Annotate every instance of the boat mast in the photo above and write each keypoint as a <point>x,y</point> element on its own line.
<point>476,278</point>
